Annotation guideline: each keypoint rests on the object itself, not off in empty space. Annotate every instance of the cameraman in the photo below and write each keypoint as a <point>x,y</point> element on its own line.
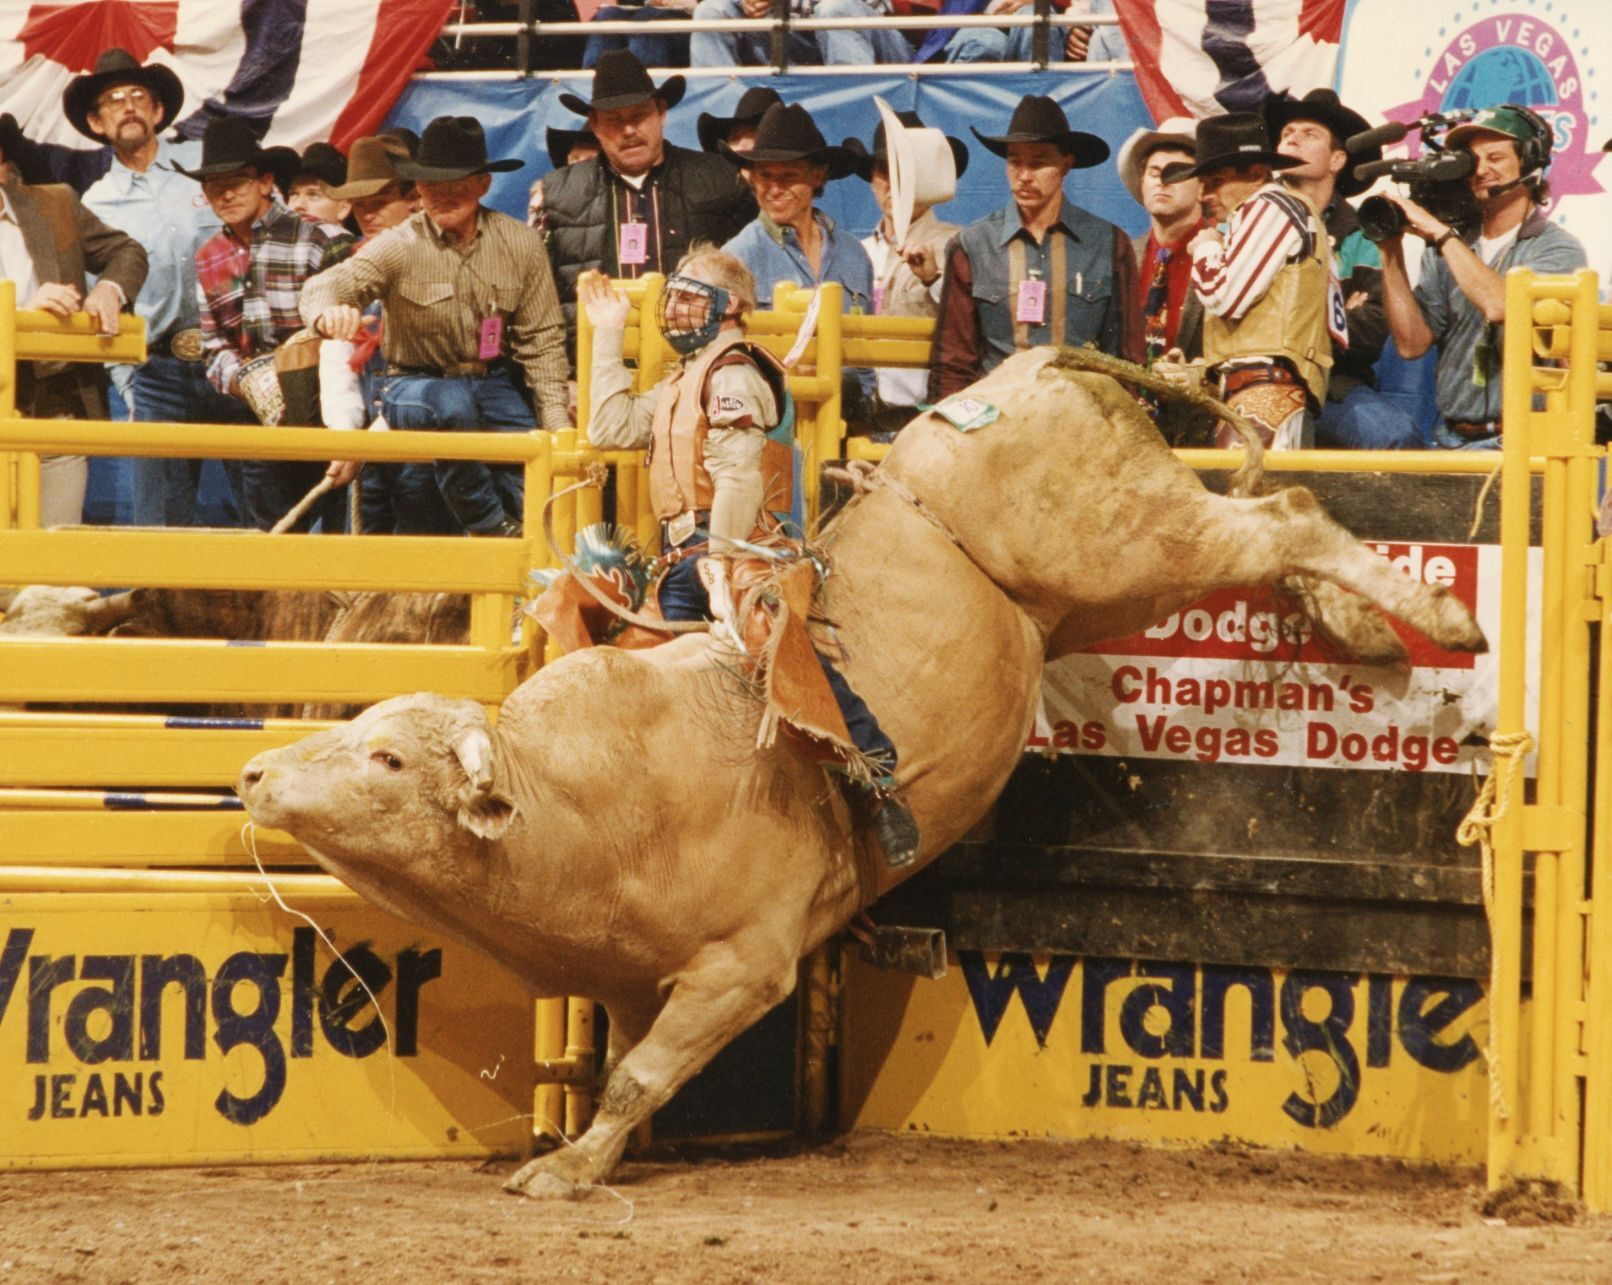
<point>1460,301</point>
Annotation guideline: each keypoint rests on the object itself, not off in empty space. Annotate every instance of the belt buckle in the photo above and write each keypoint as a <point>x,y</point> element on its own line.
<point>681,527</point>
<point>186,345</point>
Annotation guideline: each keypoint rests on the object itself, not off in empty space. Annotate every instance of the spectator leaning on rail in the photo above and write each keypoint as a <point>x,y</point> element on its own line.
<point>1266,283</point>
<point>664,50</point>
<point>1040,271</point>
<point>1172,316</point>
<point>906,277</point>
<point>1017,44</point>
<point>48,242</point>
<point>859,46</point>
<point>1313,131</point>
<point>248,277</point>
<point>711,418</point>
<point>128,106</point>
<point>470,310</point>
<point>638,206</point>
<point>1459,303</point>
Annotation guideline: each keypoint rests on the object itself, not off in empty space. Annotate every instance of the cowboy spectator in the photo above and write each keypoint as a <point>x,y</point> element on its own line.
<point>1266,285</point>
<point>320,168</point>
<point>48,243</point>
<point>1172,317</point>
<point>1039,271</point>
<point>1313,131</point>
<point>738,131</point>
<point>858,46</point>
<point>661,50</point>
<point>1459,303</point>
<point>127,106</point>
<point>790,239</point>
<point>639,205</point>
<point>470,311</point>
<point>249,276</point>
<point>565,147</point>
<point>906,277</point>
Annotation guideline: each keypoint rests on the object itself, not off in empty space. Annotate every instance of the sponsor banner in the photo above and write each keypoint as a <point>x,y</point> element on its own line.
<point>1241,677</point>
<point>1015,1045</point>
<point>213,1029</point>
<point>1546,57</point>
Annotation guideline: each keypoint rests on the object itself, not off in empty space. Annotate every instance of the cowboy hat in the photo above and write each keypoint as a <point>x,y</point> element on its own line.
<point>1175,134</point>
<point>752,106</point>
<point>1231,141</point>
<point>452,147</point>
<point>323,162</point>
<point>120,67</point>
<point>1324,107</point>
<point>229,144</point>
<point>1038,119</point>
<point>788,133</point>
<point>370,168</point>
<point>561,141</point>
<point>619,80</point>
<point>921,164</point>
<point>864,158</point>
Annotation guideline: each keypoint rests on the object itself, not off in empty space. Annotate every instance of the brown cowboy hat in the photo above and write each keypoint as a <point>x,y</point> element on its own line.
<point>451,147</point>
<point>619,80</point>
<point>120,67</point>
<point>1037,119</point>
<point>786,133</point>
<point>370,168</point>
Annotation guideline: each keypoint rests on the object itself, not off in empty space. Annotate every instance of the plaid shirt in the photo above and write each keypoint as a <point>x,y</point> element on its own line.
<point>248,293</point>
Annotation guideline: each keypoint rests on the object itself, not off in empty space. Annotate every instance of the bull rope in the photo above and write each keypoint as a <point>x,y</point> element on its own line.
<point>596,478</point>
<point>316,493</point>
<point>1508,750</point>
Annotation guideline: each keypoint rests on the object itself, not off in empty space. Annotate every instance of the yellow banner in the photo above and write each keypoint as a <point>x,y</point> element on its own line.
<point>1010,1045</point>
<point>190,1028</point>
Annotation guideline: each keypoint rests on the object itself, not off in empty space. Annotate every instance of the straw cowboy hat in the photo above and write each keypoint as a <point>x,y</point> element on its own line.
<point>786,133</point>
<point>922,164</point>
<point>452,147</point>
<point>619,80</point>
<point>119,67</point>
<point>1177,134</point>
<point>864,158</point>
<point>1038,119</point>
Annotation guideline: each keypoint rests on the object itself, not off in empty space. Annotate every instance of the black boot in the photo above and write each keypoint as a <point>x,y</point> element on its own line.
<point>508,529</point>
<point>895,829</point>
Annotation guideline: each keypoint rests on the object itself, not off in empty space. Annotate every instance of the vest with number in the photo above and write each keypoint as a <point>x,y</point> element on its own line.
<point>678,480</point>
<point>1289,320</point>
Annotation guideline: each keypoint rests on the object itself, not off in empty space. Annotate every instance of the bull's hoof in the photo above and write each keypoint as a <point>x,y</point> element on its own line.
<point>560,1176</point>
<point>550,1186</point>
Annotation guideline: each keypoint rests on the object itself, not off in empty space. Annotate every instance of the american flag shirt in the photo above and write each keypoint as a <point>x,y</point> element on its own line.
<point>248,292</point>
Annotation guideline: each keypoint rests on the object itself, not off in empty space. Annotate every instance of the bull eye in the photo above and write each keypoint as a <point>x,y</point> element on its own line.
<point>388,760</point>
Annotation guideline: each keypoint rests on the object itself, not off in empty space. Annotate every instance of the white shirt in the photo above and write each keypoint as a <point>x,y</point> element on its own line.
<point>1492,249</point>
<point>15,260</point>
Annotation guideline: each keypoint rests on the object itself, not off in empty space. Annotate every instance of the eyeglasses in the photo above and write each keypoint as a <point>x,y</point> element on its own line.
<point>117,97</point>
<point>228,185</point>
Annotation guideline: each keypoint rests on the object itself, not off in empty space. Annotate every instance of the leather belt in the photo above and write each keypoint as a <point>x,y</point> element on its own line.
<point>1472,429</point>
<point>456,371</point>
<point>1236,378</point>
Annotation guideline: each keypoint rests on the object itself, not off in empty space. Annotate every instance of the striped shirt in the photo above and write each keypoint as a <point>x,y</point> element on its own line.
<point>248,292</point>
<point>1271,228</point>
<point>439,297</point>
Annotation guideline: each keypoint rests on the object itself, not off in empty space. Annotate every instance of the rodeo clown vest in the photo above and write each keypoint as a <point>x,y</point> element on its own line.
<point>678,480</point>
<point>1291,319</point>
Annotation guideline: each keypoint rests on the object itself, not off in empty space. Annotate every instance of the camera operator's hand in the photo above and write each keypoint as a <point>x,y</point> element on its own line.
<point>1418,221</point>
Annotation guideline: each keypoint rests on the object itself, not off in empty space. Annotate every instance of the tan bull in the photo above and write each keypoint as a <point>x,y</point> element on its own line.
<point>616,836</point>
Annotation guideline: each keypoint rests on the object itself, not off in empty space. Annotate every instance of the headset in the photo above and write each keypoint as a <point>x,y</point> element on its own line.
<point>1534,153</point>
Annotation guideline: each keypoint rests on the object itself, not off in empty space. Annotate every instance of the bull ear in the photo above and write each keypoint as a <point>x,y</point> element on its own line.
<point>484,811</point>
<point>102,614</point>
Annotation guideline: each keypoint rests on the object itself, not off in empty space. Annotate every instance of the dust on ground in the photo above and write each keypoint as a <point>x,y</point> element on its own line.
<point>863,1208</point>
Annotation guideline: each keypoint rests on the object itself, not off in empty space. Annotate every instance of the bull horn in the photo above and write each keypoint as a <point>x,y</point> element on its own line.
<point>107,613</point>
<point>474,750</point>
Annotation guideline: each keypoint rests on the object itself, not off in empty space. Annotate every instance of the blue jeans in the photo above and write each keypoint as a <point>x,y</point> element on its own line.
<point>1445,439</point>
<point>479,496</point>
<point>1002,44</point>
<point>682,596</point>
<point>166,390</point>
<point>652,51</point>
<point>841,48</point>
<point>1365,420</point>
<point>271,488</point>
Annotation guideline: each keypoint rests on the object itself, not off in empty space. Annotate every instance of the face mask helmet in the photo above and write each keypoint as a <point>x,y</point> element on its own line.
<point>679,301</point>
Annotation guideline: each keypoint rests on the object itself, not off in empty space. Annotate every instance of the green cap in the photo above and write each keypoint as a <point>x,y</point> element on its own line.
<point>1505,119</point>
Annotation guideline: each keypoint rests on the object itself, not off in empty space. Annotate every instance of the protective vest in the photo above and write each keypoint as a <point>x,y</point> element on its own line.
<point>1290,320</point>
<point>678,480</point>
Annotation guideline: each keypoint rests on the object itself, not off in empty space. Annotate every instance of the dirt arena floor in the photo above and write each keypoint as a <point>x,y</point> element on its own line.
<point>867,1208</point>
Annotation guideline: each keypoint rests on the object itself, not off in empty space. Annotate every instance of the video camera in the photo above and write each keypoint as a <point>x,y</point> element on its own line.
<point>1437,179</point>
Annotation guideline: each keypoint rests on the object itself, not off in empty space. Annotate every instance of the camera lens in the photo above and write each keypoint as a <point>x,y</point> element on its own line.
<point>1380,219</point>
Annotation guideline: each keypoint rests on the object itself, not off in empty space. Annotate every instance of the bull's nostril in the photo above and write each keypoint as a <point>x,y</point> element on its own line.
<point>251,776</point>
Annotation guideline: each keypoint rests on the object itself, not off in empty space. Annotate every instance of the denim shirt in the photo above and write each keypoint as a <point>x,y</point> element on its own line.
<point>1092,312</point>
<point>168,215</point>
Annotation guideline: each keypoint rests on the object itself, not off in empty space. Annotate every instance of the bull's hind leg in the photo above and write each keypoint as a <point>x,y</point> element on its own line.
<point>1287,534</point>
<point>724,991</point>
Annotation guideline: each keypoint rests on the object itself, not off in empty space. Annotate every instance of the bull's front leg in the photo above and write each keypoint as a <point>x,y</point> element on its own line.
<point>722,992</point>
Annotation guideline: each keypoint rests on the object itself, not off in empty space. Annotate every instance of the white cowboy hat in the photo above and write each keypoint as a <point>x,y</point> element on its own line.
<point>922,165</point>
<point>1179,133</point>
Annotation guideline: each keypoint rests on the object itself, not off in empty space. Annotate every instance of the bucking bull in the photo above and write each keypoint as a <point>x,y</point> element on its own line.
<point>615,835</point>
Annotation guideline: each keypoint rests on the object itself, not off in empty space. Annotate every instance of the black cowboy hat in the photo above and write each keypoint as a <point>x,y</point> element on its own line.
<point>229,144</point>
<point>1235,139</point>
<point>120,67</point>
<point>863,159</point>
<point>561,141</point>
<point>1040,120</point>
<point>323,162</point>
<point>752,106</point>
<point>1324,107</point>
<point>452,147</point>
<point>786,133</point>
<point>619,80</point>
